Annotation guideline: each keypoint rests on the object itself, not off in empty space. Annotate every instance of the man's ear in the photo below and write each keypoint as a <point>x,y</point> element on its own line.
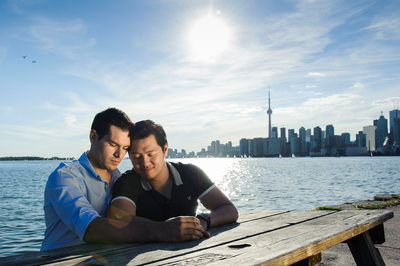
<point>93,136</point>
<point>165,150</point>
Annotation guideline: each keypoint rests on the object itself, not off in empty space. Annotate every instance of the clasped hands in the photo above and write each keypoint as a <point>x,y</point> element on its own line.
<point>186,228</point>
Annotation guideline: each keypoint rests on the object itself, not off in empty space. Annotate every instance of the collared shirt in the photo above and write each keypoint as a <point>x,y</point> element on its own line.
<point>174,173</point>
<point>190,184</point>
<point>74,195</point>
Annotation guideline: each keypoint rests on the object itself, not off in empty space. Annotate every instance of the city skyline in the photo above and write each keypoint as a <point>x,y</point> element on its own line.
<point>324,134</point>
<point>201,69</point>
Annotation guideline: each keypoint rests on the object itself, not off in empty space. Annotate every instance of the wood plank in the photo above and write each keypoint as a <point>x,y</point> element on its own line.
<point>245,217</point>
<point>158,252</point>
<point>291,244</point>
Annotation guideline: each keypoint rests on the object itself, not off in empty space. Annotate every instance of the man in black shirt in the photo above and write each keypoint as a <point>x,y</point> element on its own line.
<point>159,190</point>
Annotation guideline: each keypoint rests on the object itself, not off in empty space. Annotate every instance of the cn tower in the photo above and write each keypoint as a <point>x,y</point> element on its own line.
<point>269,112</point>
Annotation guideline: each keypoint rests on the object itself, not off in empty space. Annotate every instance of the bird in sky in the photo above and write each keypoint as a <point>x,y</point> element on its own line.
<point>25,56</point>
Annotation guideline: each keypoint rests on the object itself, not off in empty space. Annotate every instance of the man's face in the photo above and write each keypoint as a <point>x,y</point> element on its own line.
<point>147,157</point>
<point>111,149</point>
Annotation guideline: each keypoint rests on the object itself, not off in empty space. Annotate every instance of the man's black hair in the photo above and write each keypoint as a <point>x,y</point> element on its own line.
<point>110,117</point>
<point>145,128</point>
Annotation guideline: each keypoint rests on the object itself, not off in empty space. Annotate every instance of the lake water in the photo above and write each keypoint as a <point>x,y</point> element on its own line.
<point>252,184</point>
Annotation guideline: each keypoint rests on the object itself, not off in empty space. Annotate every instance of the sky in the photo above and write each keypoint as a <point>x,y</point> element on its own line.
<point>202,69</point>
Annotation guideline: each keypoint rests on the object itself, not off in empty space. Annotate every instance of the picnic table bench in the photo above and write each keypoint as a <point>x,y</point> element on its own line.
<point>268,238</point>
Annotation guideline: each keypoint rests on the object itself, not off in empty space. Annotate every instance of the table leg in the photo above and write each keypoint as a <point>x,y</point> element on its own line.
<point>377,234</point>
<point>364,251</point>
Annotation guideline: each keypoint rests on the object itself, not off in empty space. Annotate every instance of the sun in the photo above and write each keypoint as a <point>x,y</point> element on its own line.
<point>208,38</point>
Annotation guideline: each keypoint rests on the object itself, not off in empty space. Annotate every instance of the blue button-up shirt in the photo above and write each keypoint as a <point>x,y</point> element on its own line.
<point>74,195</point>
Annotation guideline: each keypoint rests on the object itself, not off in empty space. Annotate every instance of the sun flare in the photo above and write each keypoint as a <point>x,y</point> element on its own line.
<point>208,38</point>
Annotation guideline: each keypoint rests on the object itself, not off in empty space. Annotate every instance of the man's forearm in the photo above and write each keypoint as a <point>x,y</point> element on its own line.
<point>223,214</point>
<point>138,229</point>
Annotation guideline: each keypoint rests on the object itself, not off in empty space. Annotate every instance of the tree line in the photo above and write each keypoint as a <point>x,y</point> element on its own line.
<point>31,158</point>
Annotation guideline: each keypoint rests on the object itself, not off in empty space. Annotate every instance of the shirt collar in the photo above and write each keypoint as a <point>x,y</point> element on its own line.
<point>175,175</point>
<point>84,161</point>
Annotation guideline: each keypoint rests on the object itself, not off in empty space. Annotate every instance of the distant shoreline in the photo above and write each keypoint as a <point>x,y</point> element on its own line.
<point>33,158</point>
<point>37,158</point>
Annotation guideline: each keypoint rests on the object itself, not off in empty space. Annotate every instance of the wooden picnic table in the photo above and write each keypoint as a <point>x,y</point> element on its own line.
<point>268,238</point>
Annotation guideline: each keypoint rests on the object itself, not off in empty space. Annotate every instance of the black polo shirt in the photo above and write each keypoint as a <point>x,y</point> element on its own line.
<point>190,184</point>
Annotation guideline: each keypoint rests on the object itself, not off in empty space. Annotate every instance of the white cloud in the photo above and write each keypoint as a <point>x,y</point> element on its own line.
<point>387,103</point>
<point>318,111</point>
<point>386,28</point>
<point>72,117</point>
<point>70,120</point>
<point>316,74</point>
<point>72,102</point>
<point>65,38</point>
<point>28,132</point>
<point>358,85</point>
<point>330,102</point>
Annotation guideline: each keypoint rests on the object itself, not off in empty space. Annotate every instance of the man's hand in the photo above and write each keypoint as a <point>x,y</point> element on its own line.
<point>183,228</point>
<point>203,224</point>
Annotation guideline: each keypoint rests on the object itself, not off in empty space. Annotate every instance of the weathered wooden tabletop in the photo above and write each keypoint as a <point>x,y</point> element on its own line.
<point>269,237</point>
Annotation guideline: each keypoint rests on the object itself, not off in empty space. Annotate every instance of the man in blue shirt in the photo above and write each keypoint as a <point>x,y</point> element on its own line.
<point>78,193</point>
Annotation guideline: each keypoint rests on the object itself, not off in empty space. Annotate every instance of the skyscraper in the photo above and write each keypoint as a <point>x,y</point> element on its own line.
<point>303,143</point>
<point>274,132</point>
<point>345,138</point>
<point>330,132</point>
<point>308,135</point>
<point>244,147</point>
<point>381,130</point>
<point>283,133</point>
<point>361,139</point>
<point>369,132</point>
<point>269,112</point>
<point>290,134</point>
<point>317,139</point>
<point>394,117</point>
